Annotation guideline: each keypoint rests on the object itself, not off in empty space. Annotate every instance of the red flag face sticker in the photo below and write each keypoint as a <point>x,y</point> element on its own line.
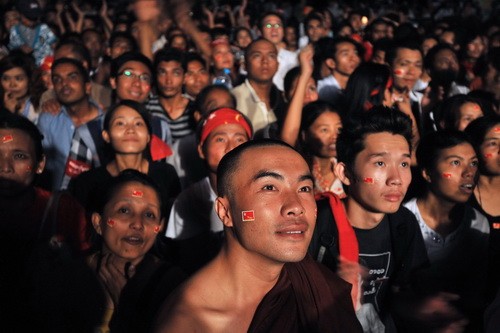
<point>446,175</point>
<point>496,130</point>
<point>111,223</point>
<point>488,155</point>
<point>496,225</point>
<point>248,215</point>
<point>399,72</point>
<point>369,180</point>
<point>156,229</point>
<point>137,194</point>
<point>7,138</point>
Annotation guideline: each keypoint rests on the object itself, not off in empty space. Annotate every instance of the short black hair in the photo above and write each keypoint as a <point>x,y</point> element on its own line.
<point>230,163</point>
<point>77,63</point>
<point>171,54</point>
<point>138,107</point>
<point>449,113</point>
<point>326,47</point>
<point>193,56</point>
<point>392,51</point>
<point>123,35</point>
<point>380,119</point>
<point>118,62</point>
<point>430,146</point>
<point>266,14</point>
<point>204,93</point>
<point>477,130</point>
<point>76,46</point>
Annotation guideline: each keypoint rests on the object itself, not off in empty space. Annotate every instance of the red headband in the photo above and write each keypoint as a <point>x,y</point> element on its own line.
<point>222,117</point>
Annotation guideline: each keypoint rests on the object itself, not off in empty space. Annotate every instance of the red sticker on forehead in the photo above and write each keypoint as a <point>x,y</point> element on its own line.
<point>157,229</point>
<point>369,180</point>
<point>488,155</point>
<point>111,222</point>
<point>7,138</point>
<point>447,175</point>
<point>248,215</point>
<point>137,194</point>
<point>476,107</point>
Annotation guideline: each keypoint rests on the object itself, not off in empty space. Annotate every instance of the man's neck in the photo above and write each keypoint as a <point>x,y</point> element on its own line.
<point>341,79</point>
<point>81,112</point>
<point>262,89</point>
<point>437,213</point>
<point>361,218</point>
<point>174,106</point>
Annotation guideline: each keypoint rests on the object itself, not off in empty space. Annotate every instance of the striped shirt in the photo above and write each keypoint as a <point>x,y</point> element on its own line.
<point>180,127</point>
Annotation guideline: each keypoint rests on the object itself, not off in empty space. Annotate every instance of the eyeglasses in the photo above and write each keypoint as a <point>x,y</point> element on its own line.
<point>270,26</point>
<point>146,78</point>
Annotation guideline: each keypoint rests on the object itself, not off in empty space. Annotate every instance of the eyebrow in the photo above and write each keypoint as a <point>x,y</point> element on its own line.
<point>384,154</point>
<point>275,175</point>
<point>460,157</point>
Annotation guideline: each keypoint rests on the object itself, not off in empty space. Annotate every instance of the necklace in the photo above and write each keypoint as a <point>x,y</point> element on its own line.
<point>321,183</point>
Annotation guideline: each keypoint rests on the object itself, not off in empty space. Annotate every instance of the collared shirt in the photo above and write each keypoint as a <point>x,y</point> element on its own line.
<point>180,127</point>
<point>286,61</point>
<point>251,106</point>
<point>329,90</point>
<point>439,247</point>
<point>58,131</point>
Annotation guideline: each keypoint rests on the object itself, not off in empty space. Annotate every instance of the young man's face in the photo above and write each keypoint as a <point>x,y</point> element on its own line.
<point>196,78</point>
<point>262,61</point>
<point>381,174</point>
<point>219,142</point>
<point>119,47</point>
<point>133,81</point>
<point>346,58</point>
<point>315,30</point>
<point>272,29</point>
<point>69,84</point>
<point>169,76</point>
<point>93,43</point>
<point>407,68</point>
<point>454,176</point>
<point>272,211</point>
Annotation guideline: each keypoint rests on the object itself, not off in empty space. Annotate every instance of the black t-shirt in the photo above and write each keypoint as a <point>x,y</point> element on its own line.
<point>375,254</point>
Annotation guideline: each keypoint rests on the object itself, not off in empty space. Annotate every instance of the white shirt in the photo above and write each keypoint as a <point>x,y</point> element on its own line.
<point>287,60</point>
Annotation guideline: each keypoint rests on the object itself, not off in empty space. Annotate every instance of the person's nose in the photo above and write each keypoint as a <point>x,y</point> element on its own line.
<point>137,223</point>
<point>6,165</point>
<point>292,205</point>
<point>394,176</point>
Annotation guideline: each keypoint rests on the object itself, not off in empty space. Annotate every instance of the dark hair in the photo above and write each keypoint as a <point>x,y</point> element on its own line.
<point>366,86</point>
<point>237,31</point>
<point>123,35</point>
<point>201,124</point>
<point>432,144</point>
<point>432,53</point>
<point>252,44</point>
<point>351,140</point>
<point>449,112</point>
<point>118,62</point>
<point>477,130</point>
<point>230,162</point>
<point>266,14</point>
<point>392,52</point>
<point>9,120</point>
<point>136,106</point>
<point>313,110</point>
<point>77,63</point>
<point>326,48</point>
<point>108,190</point>
<point>193,56</point>
<point>311,17</point>
<point>290,76</point>
<point>205,92</point>
<point>76,47</point>
<point>18,59</point>
<point>167,55</point>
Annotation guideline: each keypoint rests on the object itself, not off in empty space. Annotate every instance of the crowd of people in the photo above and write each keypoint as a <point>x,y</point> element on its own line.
<point>253,166</point>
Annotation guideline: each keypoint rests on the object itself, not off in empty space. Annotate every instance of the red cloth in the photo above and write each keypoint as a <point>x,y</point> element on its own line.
<point>221,117</point>
<point>159,149</point>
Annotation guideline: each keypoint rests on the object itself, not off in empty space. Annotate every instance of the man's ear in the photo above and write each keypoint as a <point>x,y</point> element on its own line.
<point>88,88</point>
<point>426,176</point>
<point>330,63</point>
<point>222,209</point>
<point>342,173</point>
<point>200,152</point>
<point>96,222</point>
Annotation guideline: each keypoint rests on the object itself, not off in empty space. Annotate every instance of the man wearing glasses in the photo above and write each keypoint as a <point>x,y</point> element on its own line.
<point>272,29</point>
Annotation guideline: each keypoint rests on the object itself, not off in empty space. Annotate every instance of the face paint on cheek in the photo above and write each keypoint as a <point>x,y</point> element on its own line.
<point>111,223</point>
<point>399,72</point>
<point>157,229</point>
<point>137,194</point>
<point>7,138</point>
<point>488,155</point>
<point>496,130</point>
<point>476,107</point>
<point>446,175</point>
<point>29,169</point>
<point>368,180</point>
<point>247,216</point>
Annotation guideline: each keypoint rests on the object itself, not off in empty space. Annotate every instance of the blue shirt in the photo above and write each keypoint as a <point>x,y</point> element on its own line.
<point>58,131</point>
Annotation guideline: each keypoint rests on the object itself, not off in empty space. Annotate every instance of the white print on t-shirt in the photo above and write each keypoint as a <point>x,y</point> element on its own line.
<point>378,266</point>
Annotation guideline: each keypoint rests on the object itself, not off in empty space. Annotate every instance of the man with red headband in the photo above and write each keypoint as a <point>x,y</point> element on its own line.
<point>219,133</point>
